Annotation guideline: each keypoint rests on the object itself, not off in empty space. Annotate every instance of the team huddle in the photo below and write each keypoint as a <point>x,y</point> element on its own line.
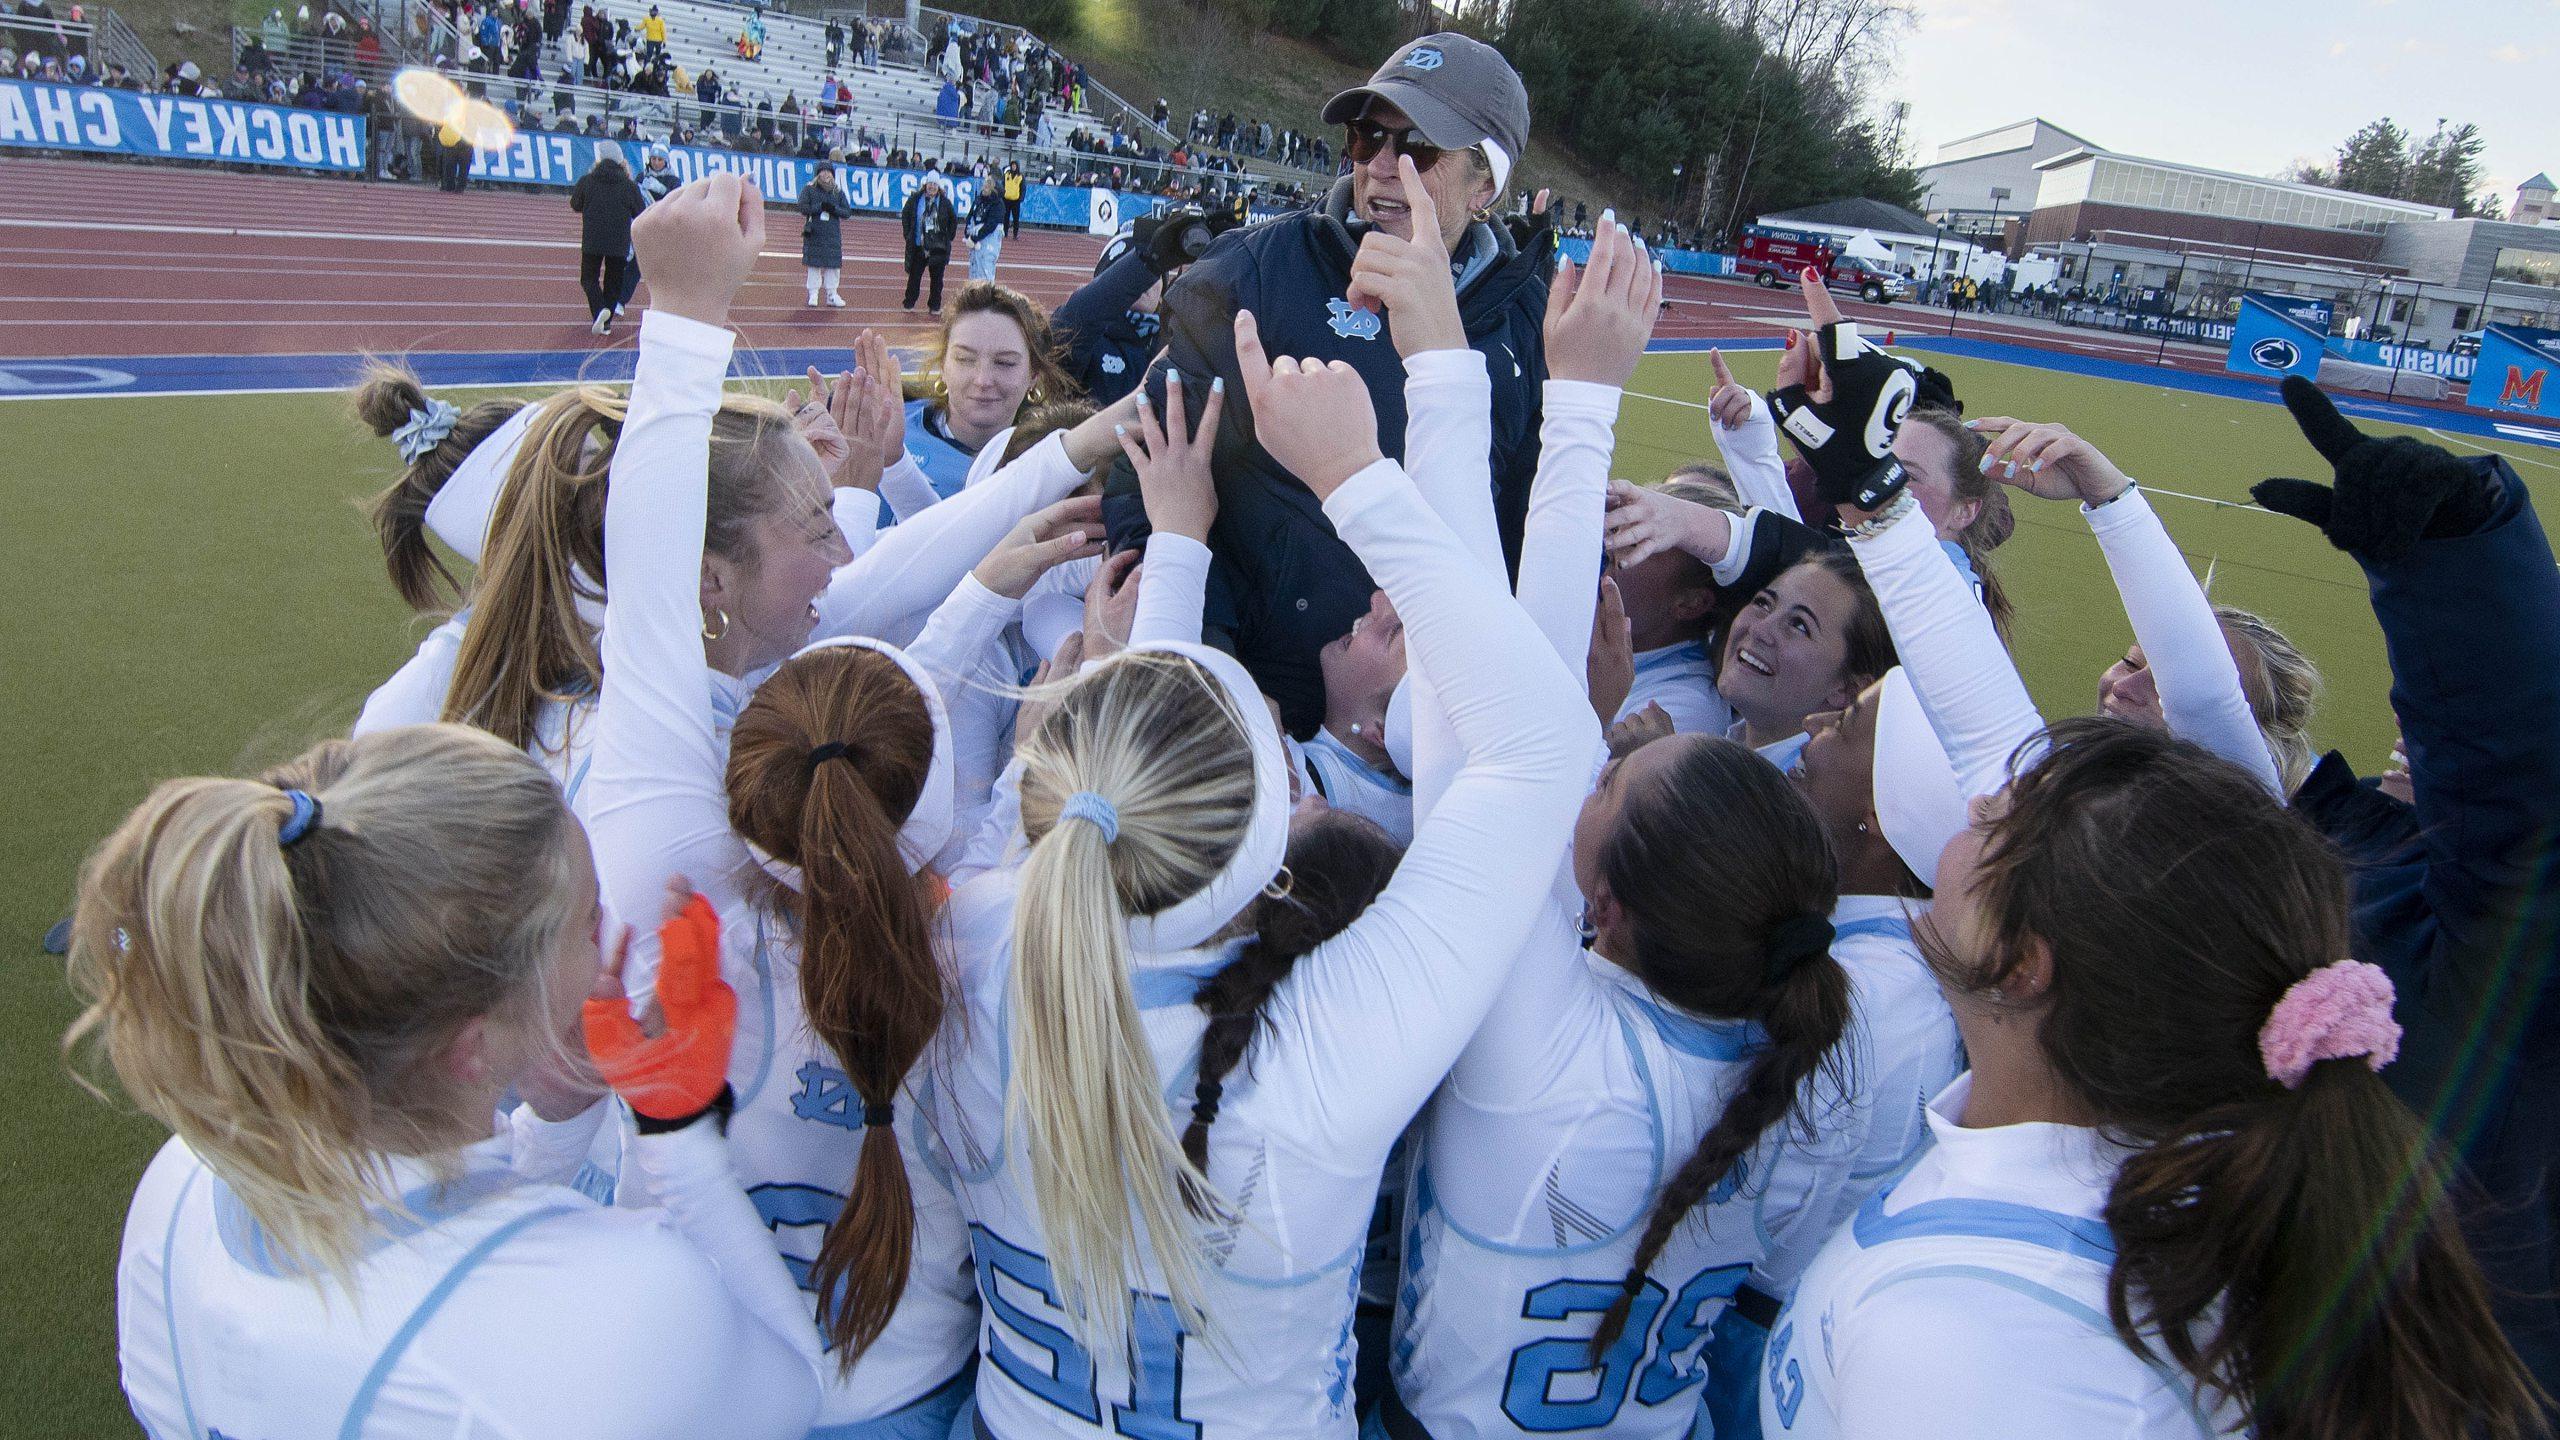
<point>849,927</point>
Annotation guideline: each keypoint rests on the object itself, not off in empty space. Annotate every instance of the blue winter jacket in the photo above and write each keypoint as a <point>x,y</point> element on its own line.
<point>2460,899</point>
<point>1283,584</point>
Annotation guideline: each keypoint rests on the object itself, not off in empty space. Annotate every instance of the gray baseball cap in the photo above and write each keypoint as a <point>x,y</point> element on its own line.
<point>1459,91</point>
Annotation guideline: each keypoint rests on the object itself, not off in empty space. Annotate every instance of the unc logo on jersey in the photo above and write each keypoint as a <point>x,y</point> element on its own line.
<point>2275,353</point>
<point>1114,365</point>
<point>827,1097</point>
<point>1350,321</point>
<point>1426,58</point>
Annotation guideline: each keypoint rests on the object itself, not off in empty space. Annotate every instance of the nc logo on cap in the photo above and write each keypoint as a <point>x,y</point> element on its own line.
<point>1425,58</point>
<point>1351,322</point>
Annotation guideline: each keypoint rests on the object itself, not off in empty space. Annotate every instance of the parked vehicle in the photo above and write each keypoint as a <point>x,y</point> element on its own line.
<point>1773,258</point>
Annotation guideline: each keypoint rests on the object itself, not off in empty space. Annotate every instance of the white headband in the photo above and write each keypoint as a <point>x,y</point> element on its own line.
<point>1190,924</point>
<point>928,825</point>
<point>459,514</point>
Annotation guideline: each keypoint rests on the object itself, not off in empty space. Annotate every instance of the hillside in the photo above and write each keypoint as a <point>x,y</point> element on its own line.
<point>1146,48</point>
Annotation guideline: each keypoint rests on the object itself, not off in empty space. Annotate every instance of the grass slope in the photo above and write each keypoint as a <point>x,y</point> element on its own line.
<point>1146,48</point>
<point>191,590</point>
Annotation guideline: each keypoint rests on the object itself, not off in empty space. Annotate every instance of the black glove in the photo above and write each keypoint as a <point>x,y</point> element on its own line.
<point>1180,237</point>
<point>2389,495</point>
<point>1225,218</point>
<point>1848,439</point>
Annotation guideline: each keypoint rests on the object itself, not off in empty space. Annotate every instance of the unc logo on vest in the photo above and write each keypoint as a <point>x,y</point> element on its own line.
<point>1114,365</point>
<point>1351,322</point>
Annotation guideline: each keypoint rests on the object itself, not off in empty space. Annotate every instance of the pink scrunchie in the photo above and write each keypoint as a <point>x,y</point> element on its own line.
<point>2336,1012</point>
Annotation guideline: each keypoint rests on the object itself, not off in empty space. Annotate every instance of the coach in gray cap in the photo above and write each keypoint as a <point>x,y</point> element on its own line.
<point>1283,585</point>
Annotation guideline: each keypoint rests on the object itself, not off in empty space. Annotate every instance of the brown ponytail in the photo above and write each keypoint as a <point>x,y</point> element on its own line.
<point>527,644</point>
<point>1337,864</point>
<point>824,766</point>
<point>1727,879</point>
<point>2289,1248</point>
<point>383,400</point>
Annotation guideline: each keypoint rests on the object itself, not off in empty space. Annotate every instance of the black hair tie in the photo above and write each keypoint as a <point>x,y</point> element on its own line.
<point>880,1115</point>
<point>832,750</point>
<point>1793,943</point>
<point>1204,1102</point>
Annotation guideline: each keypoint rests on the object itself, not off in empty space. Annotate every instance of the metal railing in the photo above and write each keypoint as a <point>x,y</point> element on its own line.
<point>920,133</point>
<point>321,55</point>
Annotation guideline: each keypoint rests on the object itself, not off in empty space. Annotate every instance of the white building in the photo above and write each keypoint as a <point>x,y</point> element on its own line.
<point>1958,188</point>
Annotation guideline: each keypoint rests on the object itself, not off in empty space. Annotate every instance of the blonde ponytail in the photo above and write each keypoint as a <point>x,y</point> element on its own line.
<point>1154,738</point>
<point>281,1009</point>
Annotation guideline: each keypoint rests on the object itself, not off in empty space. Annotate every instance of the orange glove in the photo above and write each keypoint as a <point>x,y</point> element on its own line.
<point>678,1074</point>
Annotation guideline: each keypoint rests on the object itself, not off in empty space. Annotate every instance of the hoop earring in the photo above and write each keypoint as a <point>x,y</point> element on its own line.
<point>1588,931</point>
<point>1280,885</point>
<point>710,634</point>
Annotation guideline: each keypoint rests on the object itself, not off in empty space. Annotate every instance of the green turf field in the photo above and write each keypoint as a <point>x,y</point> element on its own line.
<point>188,587</point>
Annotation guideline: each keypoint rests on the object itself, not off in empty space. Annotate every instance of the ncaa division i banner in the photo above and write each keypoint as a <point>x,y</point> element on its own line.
<point>94,120</point>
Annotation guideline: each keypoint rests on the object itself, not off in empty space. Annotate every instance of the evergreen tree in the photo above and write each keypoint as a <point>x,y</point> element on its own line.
<point>2374,161</point>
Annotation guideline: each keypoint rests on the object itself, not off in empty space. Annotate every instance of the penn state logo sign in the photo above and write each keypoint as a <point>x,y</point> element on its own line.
<point>1350,321</point>
<point>1426,58</point>
<point>2276,353</point>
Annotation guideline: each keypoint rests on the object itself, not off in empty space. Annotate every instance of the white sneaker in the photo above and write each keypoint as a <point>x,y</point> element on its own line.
<point>835,299</point>
<point>813,299</point>
<point>604,321</point>
<point>617,310</point>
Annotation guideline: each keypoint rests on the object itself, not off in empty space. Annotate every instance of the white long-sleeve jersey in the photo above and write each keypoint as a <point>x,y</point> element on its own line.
<point>661,809</point>
<point>1969,1299</point>
<point>1355,1039</point>
<point>1354,786</point>
<point>495,1308</point>
<point>1682,680</point>
<point>2190,658</point>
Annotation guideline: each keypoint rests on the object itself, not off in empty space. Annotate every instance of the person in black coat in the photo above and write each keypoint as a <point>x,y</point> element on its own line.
<point>826,205</point>
<point>928,222</point>
<point>609,200</point>
<point>2457,895</point>
<point>1282,584</point>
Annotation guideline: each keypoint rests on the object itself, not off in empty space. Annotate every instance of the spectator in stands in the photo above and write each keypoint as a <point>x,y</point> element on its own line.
<point>1283,584</point>
<point>826,207</point>
<point>928,224</point>
<point>607,200</point>
<point>1013,188</point>
<point>653,34</point>
<point>835,42</point>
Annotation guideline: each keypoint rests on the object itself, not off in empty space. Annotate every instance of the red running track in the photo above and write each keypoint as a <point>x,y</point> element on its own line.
<point>106,259</point>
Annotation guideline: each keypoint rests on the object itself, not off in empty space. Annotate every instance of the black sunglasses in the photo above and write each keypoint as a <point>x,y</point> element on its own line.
<point>1363,139</point>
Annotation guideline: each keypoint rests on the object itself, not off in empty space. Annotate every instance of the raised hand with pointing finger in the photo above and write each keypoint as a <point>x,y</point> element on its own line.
<point>1314,416</point>
<point>1410,279</point>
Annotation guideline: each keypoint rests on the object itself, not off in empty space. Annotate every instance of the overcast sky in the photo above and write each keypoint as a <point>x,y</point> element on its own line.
<point>2245,85</point>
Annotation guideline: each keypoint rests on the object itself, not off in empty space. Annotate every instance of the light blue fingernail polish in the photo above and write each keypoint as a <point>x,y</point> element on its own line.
<point>1172,376</point>
<point>1120,430</point>
<point>2010,469</point>
<point>1218,386</point>
<point>2035,467</point>
<point>1986,465</point>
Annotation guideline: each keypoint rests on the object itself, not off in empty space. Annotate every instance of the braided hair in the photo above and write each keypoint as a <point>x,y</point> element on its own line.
<point>1337,864</point>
